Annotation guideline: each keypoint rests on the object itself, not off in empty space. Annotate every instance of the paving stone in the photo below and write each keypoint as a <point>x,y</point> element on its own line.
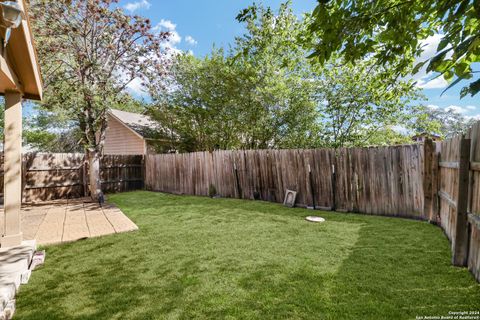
<point>98,224</point>
<point>70,220</point>
<point>51,229</point>
<point>75,225</point>
<point>31,224</point>
<point>120,222</point>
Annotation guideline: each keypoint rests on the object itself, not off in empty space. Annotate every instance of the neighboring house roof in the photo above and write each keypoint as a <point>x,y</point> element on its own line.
<point>426,135</point>
<point>141,124</point>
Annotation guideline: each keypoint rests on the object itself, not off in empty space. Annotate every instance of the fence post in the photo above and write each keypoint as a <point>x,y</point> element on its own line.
<point>144,171</point>
<point>85,175</point>
<point>428,193</point>
<point>334,180</point>
<point>460,240</point>
<point>24,175</point>
<point>436,184</point>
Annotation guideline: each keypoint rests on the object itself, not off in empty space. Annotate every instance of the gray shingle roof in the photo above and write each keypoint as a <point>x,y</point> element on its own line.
<point>142,124</point>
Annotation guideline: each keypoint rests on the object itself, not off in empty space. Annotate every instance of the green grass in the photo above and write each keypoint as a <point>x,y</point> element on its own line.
<point>201,258</point>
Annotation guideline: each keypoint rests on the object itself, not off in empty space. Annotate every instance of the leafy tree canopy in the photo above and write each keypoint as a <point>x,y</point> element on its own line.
<point>357,103</point>
<point>90,51</point>
<point>256,95</point>
<point>444,122</point>
<point>390,31</point>
<point>265,93</point>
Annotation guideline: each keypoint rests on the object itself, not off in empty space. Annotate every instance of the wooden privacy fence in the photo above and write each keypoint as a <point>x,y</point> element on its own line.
<point>120,173</point>
<point>383,180</point>
<point>439,183</point>
<point>458,202</point>
<point>48,176</point>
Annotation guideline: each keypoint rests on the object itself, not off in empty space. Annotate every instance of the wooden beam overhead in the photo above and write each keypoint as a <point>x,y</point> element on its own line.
<point>19,63</point>
<point>9,78</point>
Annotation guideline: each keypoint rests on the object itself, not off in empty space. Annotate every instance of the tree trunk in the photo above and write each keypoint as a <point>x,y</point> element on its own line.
<point>94,174</point>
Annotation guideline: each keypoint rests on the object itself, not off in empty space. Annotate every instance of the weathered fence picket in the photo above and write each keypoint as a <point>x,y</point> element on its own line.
<point>384,181</point>
<point>435,182</point>
<point>49,176</point>
<point>474,202</point>
<point>439,183</point>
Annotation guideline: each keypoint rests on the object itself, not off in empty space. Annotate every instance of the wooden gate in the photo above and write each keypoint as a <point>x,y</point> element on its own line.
<point>453,195</point>
<point>51,176</point>
<point>459,197</point>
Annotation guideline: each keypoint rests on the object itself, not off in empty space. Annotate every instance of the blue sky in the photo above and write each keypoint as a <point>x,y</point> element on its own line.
<point>198,25</point>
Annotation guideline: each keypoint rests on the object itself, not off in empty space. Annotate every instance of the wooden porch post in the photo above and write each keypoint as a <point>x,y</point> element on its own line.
<point>12,235</point>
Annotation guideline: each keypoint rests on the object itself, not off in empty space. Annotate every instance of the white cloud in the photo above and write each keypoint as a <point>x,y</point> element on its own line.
<point>429,46</point>
<point>433,107</point>
<point>166,25</point>
<point>456,109</point>
<point>191,41</point>
<point>435,83</point>
<point>175,38</point>
<point>136,87</point>
<point>473,117</point>
<point>169,26</point>
<point>427,80</point>
<point>134,6</point>
<point>400,129</point>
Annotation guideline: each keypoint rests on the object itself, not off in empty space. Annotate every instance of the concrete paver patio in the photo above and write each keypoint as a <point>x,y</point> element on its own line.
<point>71,220</point>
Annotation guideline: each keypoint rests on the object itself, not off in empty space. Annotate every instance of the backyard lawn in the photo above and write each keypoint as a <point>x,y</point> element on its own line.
<point>202,258</point>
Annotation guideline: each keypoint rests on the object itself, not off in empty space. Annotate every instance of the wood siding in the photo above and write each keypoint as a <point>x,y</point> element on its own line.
<point>120,139</point>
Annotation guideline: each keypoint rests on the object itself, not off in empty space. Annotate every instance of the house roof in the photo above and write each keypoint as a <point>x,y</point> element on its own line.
<point>19,68</point>
<point>426,134</point>
<point>140,123</point>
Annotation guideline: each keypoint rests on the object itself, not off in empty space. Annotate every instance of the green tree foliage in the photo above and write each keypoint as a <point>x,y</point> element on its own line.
<point>390,31</point>
<point>387,137</point>
<point>47,131</point>
<point>54,130</point>
<point>281,100</point>
<point>257,96</point>
<point>197,105</point>
<point>266,93</point>
<point>90,51</point>
<point>35,135</point>
<point>357,103</point>
<point>444,122</point>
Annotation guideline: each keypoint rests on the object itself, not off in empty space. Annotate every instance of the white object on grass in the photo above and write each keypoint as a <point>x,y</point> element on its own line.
<point>37,259</point>
<point>315,219</point>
